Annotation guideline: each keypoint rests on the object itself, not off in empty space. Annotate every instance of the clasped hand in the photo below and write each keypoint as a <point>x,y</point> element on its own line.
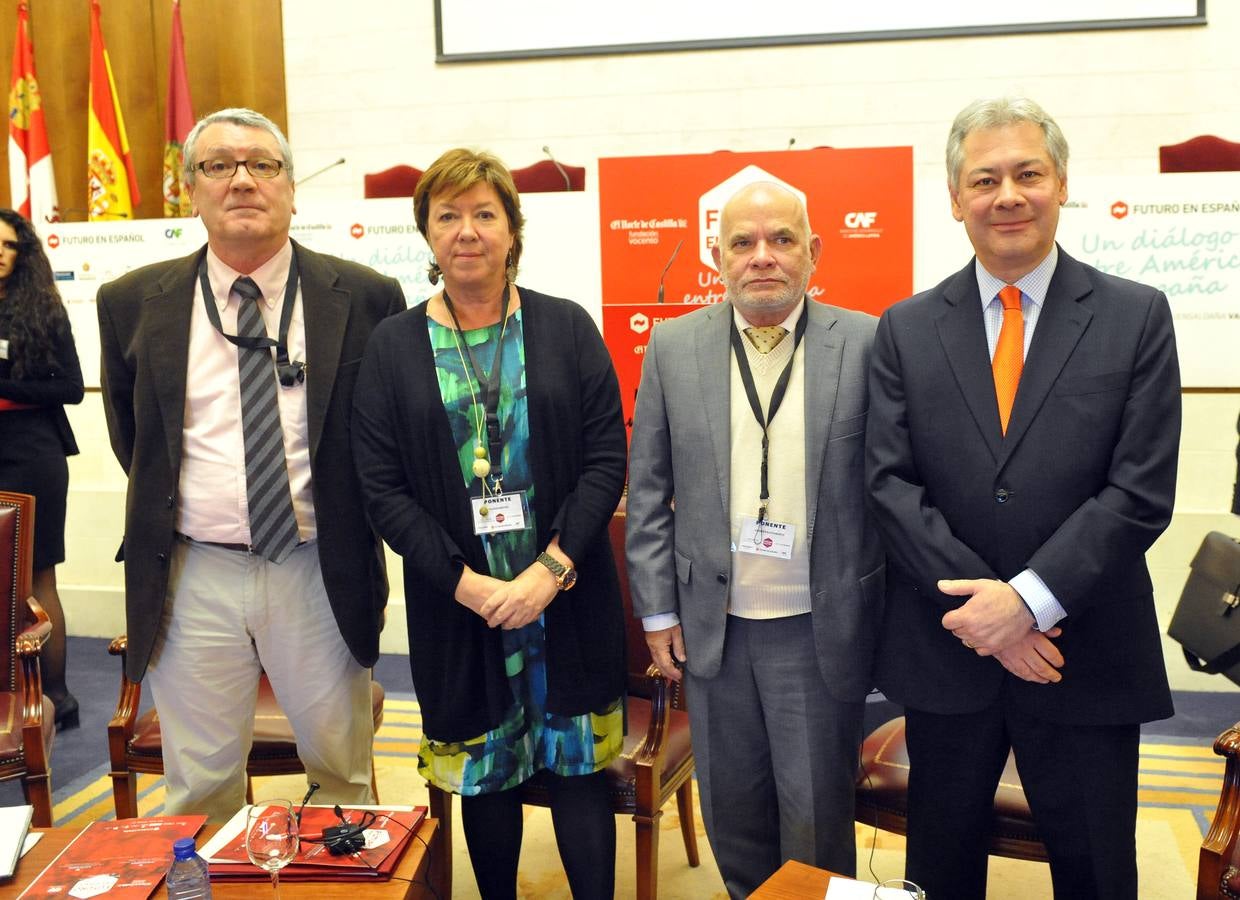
<point>508,604</point>
<point>994,621</point>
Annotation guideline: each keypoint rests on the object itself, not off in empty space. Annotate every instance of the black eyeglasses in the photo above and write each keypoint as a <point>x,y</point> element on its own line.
<point>259,167</point>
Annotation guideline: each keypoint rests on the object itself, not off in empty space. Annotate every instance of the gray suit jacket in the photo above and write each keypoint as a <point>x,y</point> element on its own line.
<point>680,560</point>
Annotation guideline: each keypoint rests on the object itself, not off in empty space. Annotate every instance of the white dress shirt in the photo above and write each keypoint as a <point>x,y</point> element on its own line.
<point>211,493</point>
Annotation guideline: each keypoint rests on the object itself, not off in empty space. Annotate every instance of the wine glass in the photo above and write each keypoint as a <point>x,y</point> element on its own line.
<point>271,837</point>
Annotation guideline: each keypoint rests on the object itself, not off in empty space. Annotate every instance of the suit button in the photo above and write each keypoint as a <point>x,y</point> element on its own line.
<point>1001,495</point>
<point>170,502</point>
<point>721,578</point>
<point>162,557</point>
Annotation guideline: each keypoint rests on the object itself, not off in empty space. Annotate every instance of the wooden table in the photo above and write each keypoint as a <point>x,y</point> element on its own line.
<point>795,881</point>
<point>415,866</point>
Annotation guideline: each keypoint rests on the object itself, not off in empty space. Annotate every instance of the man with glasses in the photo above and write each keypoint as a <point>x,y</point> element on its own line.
<point>1021,455</point>
<point>227,381</point>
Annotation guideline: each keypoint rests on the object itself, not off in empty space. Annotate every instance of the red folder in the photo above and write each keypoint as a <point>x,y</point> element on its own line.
<point>387,837</point>
<point>132,855</point>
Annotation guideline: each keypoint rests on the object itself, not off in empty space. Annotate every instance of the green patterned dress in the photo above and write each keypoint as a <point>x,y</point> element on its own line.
<point>529,738</point>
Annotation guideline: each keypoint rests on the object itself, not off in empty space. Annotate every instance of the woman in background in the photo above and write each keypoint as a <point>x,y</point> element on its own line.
<point>490,444</point>
<point>39,374</point>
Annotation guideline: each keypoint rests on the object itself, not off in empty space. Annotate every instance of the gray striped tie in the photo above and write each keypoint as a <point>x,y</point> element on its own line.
<point>273,527</point>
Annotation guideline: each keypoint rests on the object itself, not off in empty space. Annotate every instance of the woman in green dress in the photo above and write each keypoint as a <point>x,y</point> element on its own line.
<point>490,444</point>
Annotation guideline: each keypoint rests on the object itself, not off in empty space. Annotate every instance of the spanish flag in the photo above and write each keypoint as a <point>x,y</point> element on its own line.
<point>178,120</point>
<point>111,184</point>
<point>32,184</point>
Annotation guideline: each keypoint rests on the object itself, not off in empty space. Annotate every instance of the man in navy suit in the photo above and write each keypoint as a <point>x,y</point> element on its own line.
<point>1019,609</point>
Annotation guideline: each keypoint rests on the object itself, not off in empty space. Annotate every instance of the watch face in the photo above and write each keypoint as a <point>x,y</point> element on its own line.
<point>568,579</point>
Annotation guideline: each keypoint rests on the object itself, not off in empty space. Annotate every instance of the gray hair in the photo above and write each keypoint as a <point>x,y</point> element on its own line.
<point>246,118</point>
<point>999,113</point>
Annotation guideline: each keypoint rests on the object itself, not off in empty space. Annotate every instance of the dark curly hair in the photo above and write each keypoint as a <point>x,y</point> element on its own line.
<point>38,315</point>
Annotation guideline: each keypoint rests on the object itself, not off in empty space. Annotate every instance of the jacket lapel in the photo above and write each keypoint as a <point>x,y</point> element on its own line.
<point>962,334</point>
<point>325,308</point>
<point>166,316</point>
<point>823,356</point>
<point>1060,325</point>
<point>714,372</point>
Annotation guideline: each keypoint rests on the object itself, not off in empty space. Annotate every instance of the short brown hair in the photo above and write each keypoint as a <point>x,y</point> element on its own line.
<point>456,172</point>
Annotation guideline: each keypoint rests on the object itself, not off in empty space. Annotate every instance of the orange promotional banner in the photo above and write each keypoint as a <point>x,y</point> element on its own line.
<point>32,184</point>
<point>178,120</point>
<point>659,219</point>
<point>111,183</point>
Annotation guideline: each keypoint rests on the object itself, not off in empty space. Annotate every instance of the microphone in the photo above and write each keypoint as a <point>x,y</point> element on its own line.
<point>668,266</point>
<point>791,141</point>
<point>314,786</point>
<point>339,162</point>
<point>568,184</point>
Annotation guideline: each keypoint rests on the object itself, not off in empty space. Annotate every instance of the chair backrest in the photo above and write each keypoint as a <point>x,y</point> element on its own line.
<point>1204,153</point>
<point>398,181</point>
<point>635,636</point>
<point>545,176</point>
<point>16,561</point>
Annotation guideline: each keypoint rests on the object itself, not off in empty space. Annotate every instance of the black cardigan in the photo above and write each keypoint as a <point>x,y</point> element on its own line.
<point>49,389</point>
<point>418,502</point>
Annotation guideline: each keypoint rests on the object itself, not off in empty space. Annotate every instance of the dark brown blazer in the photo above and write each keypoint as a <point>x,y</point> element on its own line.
<point>144,320</point>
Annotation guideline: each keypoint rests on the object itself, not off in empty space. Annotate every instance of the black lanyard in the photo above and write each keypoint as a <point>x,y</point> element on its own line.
<point>491,388</point>
<point>777,397</point>
<point>289,373</point>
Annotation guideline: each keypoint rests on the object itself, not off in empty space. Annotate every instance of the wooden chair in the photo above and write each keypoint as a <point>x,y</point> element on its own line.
<point>545,176</point>
<point>655,764</point>
<point>135,745</point>
<point>398,181</point>
<point>26,716</point>
<point>1204,153</point>
<point>882,796</point>
<point>1218,869</point>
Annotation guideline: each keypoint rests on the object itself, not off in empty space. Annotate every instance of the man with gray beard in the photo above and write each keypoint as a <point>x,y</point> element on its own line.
<point>762,581</point>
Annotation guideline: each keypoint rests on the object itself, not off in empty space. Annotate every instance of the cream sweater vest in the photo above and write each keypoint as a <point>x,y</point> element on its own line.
<point>762,587</point>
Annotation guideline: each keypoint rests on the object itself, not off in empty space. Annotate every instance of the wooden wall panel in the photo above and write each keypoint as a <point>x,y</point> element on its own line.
<point>234,52</point>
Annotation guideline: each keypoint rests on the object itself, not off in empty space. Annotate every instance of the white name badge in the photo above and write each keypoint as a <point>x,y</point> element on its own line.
<point>773,539</point>
<point>495,514</point>
<point>4,349</point>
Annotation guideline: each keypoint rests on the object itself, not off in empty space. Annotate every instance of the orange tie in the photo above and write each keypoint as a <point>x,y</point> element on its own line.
<point>1009,353</point>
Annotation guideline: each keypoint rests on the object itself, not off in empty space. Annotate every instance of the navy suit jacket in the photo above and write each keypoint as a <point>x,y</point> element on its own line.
<point>1077,491</point>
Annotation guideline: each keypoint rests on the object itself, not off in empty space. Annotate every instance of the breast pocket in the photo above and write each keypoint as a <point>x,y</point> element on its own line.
<point>842,429</point>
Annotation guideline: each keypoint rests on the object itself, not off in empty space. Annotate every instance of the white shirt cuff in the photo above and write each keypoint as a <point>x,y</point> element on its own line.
<point>660,621</point>
<point>1046,610</point>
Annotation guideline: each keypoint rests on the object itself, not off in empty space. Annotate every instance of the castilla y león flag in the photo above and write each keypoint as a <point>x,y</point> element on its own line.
<point>112,186</point>
<point>177,122</point>
<point>32,184</point>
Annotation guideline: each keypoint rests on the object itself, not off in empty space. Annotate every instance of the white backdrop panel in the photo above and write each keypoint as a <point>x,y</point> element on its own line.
<point>1179,233</point>
<point>561,255</point>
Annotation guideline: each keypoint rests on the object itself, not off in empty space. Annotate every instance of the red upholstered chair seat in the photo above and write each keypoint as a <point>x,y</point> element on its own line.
<point>26,716</point>
<point>273,735</point>
<point>11,739</point>
<point>398,181</point>
<point>1218,866</point>
<point>135,744</point>
<point>1204,153</point>
<point>882,796</point>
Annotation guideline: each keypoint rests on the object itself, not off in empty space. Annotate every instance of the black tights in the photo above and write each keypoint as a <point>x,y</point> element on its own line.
<point>585,833</point>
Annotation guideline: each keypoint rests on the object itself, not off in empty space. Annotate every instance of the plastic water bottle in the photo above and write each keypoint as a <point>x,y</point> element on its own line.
<point>187,876</point>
